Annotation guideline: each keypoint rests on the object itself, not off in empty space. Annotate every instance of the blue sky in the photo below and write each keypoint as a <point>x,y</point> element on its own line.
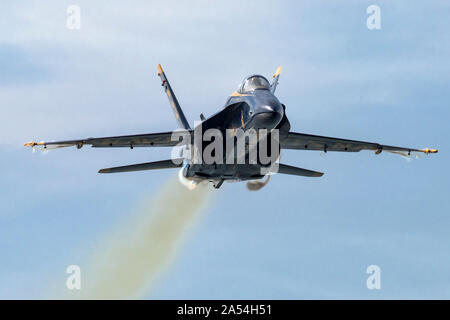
<point>296,238</point>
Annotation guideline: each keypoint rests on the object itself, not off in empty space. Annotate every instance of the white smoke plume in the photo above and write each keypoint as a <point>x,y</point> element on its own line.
<point>130,260</point>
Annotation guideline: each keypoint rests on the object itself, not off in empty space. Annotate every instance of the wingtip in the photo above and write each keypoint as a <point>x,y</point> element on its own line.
<point>428,150</point>
<point>33,144</point>
<point>160,70</point>
<point>319,174</point>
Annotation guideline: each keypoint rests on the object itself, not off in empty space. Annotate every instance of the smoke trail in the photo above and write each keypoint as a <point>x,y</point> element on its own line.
<point>130,260</point>
<point>257,185</point>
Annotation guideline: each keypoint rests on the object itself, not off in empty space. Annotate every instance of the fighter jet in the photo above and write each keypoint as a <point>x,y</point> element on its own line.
<point>252,108</point>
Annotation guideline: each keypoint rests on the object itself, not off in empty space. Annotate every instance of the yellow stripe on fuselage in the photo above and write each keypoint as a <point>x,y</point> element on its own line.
<point>237,94</point>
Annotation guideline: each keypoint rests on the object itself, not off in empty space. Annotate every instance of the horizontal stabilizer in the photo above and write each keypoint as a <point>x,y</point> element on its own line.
<point>285,169</point>
<point>163,164</point>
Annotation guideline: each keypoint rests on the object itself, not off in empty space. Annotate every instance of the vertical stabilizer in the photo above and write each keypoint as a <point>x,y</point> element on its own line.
<point>276,76</point>
<point>179,115</point>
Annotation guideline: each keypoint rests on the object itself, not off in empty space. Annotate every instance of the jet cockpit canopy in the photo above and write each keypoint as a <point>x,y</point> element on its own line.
<point>254,82</point>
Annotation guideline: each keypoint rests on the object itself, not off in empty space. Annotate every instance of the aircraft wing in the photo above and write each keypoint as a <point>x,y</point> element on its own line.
<point>302,141</point>
<point>163,139</point>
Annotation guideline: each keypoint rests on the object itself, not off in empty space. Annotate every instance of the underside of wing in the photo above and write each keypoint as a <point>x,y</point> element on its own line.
<point>302,141</point>
<point>156,165</point>
<point>286,169</point>
<point>163,139</point>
